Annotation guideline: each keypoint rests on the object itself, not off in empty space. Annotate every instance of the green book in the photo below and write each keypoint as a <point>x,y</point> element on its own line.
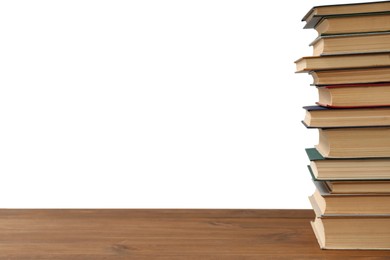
<point>313,154</point>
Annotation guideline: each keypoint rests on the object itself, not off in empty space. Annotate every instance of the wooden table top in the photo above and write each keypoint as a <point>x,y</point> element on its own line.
<point>164,234</point>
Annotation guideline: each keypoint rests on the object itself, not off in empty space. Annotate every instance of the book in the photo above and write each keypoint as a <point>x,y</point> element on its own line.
<point>351,169</point>
<point>359,142</point>
<point>360,187</point>
<point>350,165</point>
<point>350,185</point>
<point>322,168</point>
<point>352,232</point>
<point>350,76</point>
<point>351,43</point>
<point>323,117</point>
<point>354,95</point>
<point>351,203</point>
<point>342,61</point>
<point>341,24</point>
<point>317,13</point>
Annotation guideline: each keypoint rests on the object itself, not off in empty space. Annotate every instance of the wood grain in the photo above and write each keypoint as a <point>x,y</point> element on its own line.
<point>163,234</point>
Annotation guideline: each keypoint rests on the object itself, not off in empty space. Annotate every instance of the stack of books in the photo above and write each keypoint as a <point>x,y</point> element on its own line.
<point>350,165</point>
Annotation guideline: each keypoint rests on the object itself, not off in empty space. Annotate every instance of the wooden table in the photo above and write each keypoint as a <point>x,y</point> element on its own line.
<point>164,234</point>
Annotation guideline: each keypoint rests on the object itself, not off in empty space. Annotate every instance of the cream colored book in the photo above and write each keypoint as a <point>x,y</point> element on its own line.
<point>350,76</point>
<point>351,43</point>
<point>347,61</point>
<point>360,187</point>
<point>354,24</point>
<point>349,232</point>
<point>362,232</point>
<point>351,169</point>
<point>345,185</point>
<point>320,117</point>
<point>350,203</point>
<point>360,142</point>
<point>354,95</point>
<point>317,13</point>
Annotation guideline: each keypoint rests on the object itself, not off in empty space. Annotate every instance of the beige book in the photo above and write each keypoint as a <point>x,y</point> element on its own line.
<point>369,233</point>
<point>318,12</point>
<point>327,117</point>
<point>347,61</point>
<point>353,169</point>
<point>360,187</point>
<point>351,76</point>
<point>364,142</point>
<point>351,43</point>
<point>354,24</point>
<point>357,95</point>
<point>363,204</point>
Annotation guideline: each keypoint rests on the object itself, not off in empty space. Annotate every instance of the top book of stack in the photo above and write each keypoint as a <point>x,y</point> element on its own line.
<point>353,46</point>
<point>349,18</point>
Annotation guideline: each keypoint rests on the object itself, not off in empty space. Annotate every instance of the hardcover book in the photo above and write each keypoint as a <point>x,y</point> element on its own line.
<point>354,95</point>
<point>358,142</point>
<point>369,232</point>
<point>317,13</point>
<point>367,22</point>
<point>351,43</point>
<point>354,185</point>
<point>347,169</point>
<point>350,76</point>
<point>350,204</point>
<point>325,117</point>
<point>345,61</point>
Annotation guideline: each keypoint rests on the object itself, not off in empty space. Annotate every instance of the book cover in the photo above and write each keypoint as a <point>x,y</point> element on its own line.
<point>314,154</point>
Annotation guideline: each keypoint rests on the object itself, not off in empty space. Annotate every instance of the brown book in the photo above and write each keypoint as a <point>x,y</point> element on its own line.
<point>351,203</point>
<point>351,76</point>
<point>359,187</point>
<point>321,117</point>
<point>353,232</point>
<point>360,142</point>
<point>347,61</point>
<point>317,13</point>
<point>351,43</point>
<point>354,95</point>
<point>354,24</point>
<point>351,169</point>
<point>355,186</point>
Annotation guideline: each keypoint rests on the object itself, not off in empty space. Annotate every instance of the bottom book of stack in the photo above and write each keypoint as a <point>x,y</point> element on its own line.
<point>344,221</point>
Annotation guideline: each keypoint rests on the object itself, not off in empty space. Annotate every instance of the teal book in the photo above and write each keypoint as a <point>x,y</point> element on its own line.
<point>313,154</point>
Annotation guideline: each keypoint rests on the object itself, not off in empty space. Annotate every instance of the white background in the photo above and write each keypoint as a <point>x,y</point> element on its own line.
<point>154,104</point>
